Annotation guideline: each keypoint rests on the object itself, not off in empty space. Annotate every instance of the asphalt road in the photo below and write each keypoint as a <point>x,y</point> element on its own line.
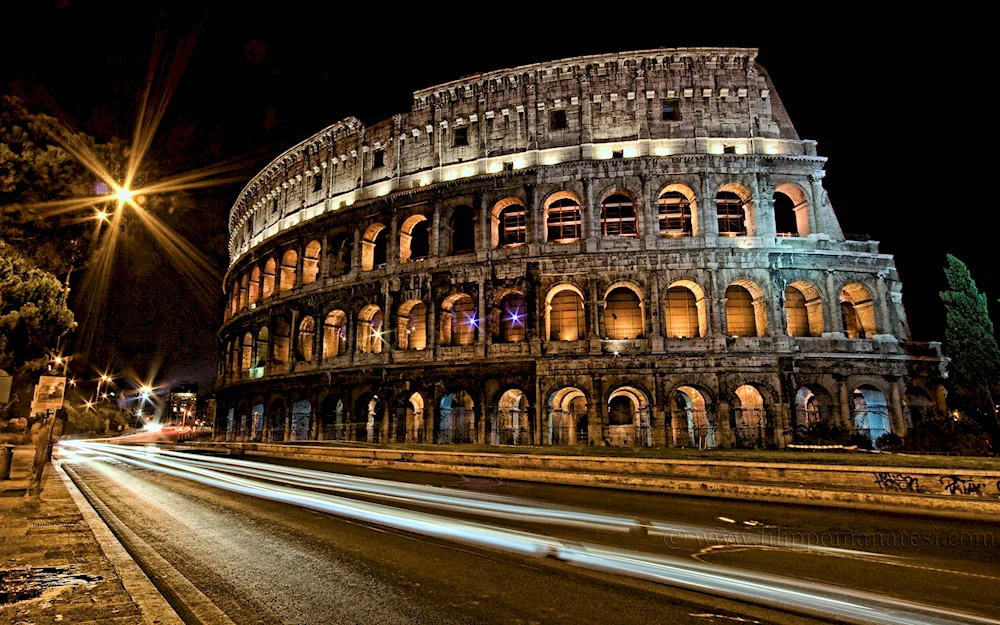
<point>264,561</point>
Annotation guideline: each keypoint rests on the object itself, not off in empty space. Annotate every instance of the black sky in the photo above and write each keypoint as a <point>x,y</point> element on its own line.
<point>898,103</point>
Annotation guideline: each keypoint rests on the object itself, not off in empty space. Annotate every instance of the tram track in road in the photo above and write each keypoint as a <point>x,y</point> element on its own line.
<point>808,598</point>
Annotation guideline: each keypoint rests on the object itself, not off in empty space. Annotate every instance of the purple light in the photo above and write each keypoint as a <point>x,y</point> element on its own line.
<point>515,317</point>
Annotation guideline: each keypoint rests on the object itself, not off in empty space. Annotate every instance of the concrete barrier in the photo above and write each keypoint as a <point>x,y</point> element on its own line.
<point>959,493</point>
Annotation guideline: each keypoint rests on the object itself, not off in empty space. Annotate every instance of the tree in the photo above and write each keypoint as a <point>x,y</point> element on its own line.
<point>971,345</point>
<point>33,316</point>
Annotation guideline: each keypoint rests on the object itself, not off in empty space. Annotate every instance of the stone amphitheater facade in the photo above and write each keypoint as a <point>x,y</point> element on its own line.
<point>625,249</point>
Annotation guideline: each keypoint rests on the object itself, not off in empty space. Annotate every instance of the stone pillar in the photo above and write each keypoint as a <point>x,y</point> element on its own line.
<point>288,426</point>
<point>392,253</point>
<point>723,428</point>
<point>708,218</point>
<point>655,311</point>
<point>881,301</point>
<point>480,318</point>
<point>300,253</point>
<point>485,218</point>
<point>597,414</point>
<point>594,331</point>
<point>324,257</point>
<point>647,214</point>
<point>591,217</point>
<point>898,420</point>
<point>293,339</point>
<point>763,203</point>
<point>846,405</point>
<point>356,253</point>
<point>435,231</point>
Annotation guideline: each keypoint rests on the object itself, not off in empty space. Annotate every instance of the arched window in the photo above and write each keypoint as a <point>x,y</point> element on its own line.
<point>414,239</point>
<point>463,230</point>
<point>623,314</point>
<point>459,321</point>
<point>243,292</point>
<point>567,418</point>
<point>282,337</point>
<point>335,334</point>
<point>254,293</point>
<point>628,417</point>
<point>310,263</point>
<point>563,222</point>
<point>618,217</point>
<point>791,211</point>
<point>741,317</point>
<point>412,325</point>
<point>871,413</point>
<point>513,225</point>
<point>732,217</point>
<point>748,419</point>
<point>691,424</point>
<point>340,250</point>
<point>858,312</point>
<point>513,315</point>
<point>803,310</point>
<point>267,287</point>
<point>565,311</point>
<point>374,247</point>
<point>288,265</point>
<point>675,215</point>
<point>262,340</point>
<point>370,331</point>
<point>307,334</point>
<point>234,300</point>
<point>248,345</point>
<point>682,313</point>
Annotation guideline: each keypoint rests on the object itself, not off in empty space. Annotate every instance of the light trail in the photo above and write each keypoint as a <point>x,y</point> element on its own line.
<point>815,599</point>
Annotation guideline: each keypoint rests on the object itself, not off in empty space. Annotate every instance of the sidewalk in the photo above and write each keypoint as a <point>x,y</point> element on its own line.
<point>52,569</point>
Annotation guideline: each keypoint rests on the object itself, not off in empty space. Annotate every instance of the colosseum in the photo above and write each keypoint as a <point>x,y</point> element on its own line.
<point>629,249</point>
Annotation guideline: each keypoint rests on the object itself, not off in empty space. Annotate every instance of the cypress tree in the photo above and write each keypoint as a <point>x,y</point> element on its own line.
<point>971,345</point>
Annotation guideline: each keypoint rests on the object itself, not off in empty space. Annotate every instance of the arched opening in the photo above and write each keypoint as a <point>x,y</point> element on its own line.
<point>374,247</point>
<point>813,406</point>
<point>732,208</point>
<point>513,314</point>
<point>289,263</point>
<point>310,262</point>
<point>917,406</point>
<point>254,293</point>
<point>871,413</point>
<point>340,254</point>
<point>791,211</point>
<point>247,353</point>
<point>282,338</point>
<point>690,420</point>
<point>458,321</point>
<point>234,358</point>
<point>370,331</point>
<point>676,207</point>
<point>563,219</point>
<point>456,419</point>
<point>463,230</point>
<point>367,419</point>
<point>511,423</point>
<point>243,292</point>
<point>234,300</point>
<point>567,419</point>
<point>307,336</point>
<point>332,418</point>
<point>262,341</point>
<point>508,223</point>
<point>257,422</point>
<point>301,415</point>
<point>618,216</point>
<point>748,418</point>
<point>267,287</point>
<point>741,318</point>
<point>803,310</point>
<point>858,312</point>
<point>411,326</point>
<point>686,315</point>
<point>623,318</point>
<point>628,418</point>
<point>409,422</point>
<point>335,334</point>
<point>414,239</point>
<point>275,418</point>
<point>564,314</point>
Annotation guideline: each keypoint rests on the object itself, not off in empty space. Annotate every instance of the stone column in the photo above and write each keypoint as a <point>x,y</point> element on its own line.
<point>591,217</point>
<point>484,240</point>
<point>300,252</point>
<point>647,214</point>
<point>846,405</point>
<point>708,218</point>
<point>293,338</point>
<point>435,231</point>
<point>898,420</point>
<point>655,311</point>
<point>356,253</point>
<point>480,317</point>
<point>392,253</point>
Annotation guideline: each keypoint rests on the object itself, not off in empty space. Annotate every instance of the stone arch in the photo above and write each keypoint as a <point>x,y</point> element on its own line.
<point>331,416</point>
<point>462,227</point>
<point>917,406</point>
<point>748,417</point>
<point>411,325</point>
<point>244,291</point>
<point>513,314</point>
<point>414,238</point>
<point>310,262</point>
<point>814,404</point>
<point>857,308</point>
<point>624,311</point>
<point>267,284</point>
<point>456,418</point>
<point>247,352</point>
<point>254,287</point>
<point>508,223</point>
<point>677,209</point>
<point>686,310</point>
<point>746,310</point>
<point>690,418</point>
<point>871,412</point>
<point>274,420</point>
<point>735,210</point>
<point>791,210</point>
<point>334,334</point>
<point>289,265</point>
<point>282,340</point>
<point>374,247</point>
<point>803,309</point>
<point>263,339</point>
<point>567,421</point>
<point>367,418</point>
<point>458,322</point>
<point>565,313</point>
<point>619,213</point>
<point>511,422</point>
<point>370,330</point>
<point>340,250</point>
<point>408,424</point>
<point>563,215</point>
<point>629,416</point>
<point>306,339</point>
<point>301,420</point>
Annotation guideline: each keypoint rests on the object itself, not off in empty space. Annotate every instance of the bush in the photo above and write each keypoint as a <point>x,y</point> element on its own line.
<point>889,442</point>
<point>946,434</point>
<point>825,433</point>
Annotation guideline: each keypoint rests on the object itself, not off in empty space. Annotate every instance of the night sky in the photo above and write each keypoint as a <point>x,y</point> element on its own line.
<point>891,105</point>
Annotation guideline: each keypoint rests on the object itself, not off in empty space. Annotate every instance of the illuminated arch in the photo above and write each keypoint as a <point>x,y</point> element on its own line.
<point>858,311</point>
<point>508,223</point>
<point>374,247</point>
<point>310,262</point>
<point>791,210</point>
<point>411,326</point>
<point>686,310</point>
<point>564,313</point>
<point>563,217</point>
<point>289,264</point>
<point>735,210</point>
<point>803,309</point>
<point>746,310</point>
<point>414,238</point>
<point>677,209</point>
